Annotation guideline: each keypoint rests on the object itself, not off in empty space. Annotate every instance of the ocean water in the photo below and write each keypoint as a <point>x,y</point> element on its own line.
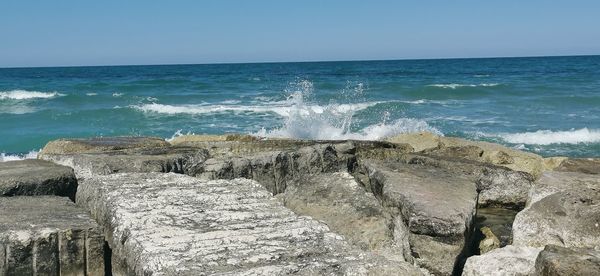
<point>547,105</point>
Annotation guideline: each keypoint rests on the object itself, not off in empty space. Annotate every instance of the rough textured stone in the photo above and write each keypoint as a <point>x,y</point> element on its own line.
<point>36,177</point>
<point>552,182</point>
<point>163,224</point>
<point>556,260</point>
<point>101,144</point>
<point>489,242</point>
<point>582,165</point>
<point>48,235</point>
<point>505,261</point>
<point>435,206</point>
<point>161,159</point>
<point>567,218</point>
<point>339,201</point>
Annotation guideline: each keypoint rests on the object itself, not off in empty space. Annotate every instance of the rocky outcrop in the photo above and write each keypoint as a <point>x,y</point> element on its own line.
<point>432,208</point>
<point>581,165</point>
<point>48,235</point>
<point>101,144</point>
<point>36,177</point>
<point>556,260</point>
<point>175,224</point>
<point>473,150</point>
<point>505,261</point>
<point>564,211</point>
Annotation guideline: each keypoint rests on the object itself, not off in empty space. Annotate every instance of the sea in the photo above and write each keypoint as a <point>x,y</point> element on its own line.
<point>546,105</point>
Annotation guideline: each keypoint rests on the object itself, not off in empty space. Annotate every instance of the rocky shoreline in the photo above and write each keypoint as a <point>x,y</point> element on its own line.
<point>415,204</point>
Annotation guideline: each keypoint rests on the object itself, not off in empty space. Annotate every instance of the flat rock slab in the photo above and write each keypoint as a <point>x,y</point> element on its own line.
<point>48,235</point>
<point>36,177</point>
<point>161,159</point>
<point>101,144</point>
<point>434,209</point>
<point>582,165</point>
<point>505,261</point>
<point>165,224</point>
<point>556,260</point>
<point>552,182</point>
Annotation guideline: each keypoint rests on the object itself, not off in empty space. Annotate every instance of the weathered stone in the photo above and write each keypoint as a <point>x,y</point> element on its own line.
<point>552,182</point>
<point>582,165</point>
<point>556,260</point>
<point>505,261</point>
<point>176,224</point>
<point>473,150</point>
<point>101,144</point>
<point>436,207</point>
<point>568,218</point>
<point>489,242</point>
<point>161,159</point>
<point>48,235</point>
<point>36,177</point>
<point>498,220</point>
<point>497,186</point>
<point>339,201</point>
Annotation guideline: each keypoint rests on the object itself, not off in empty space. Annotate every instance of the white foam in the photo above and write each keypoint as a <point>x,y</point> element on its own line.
<point>458,85</point>
<point>117,95</point>
<point>26,95</point>
<point>547,137</point>
<point>10,157</point>
<point>91,94</point>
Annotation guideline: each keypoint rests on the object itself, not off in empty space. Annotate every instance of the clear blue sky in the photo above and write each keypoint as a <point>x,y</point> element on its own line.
<point>80,32</point>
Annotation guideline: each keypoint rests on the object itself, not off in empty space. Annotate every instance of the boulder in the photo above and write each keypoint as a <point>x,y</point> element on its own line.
<point>433,209</point>
<point>101,144</point>
<point>175,224</point>
<point>552,182</point>
<point>48,235</point>
<point>581,165</point>
<point>161,159</point>
<point>568,218</point>
<point>36,177</point>
<point>555,260</point>
<point>506,261</point>
<point>340,202</point>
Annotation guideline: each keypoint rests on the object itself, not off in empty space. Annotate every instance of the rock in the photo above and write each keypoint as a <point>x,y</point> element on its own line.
<point>582,165</point>
<point>162,159</point>
<point>188,140</point>
<point>339,201</point>
<point>551,163</point>
<point>36,177</point>
<point>568,218</point>
<point>176,224</point>
<point>497,186</point>
<point>48,235</point>
<point>435,206</point>
<point>498,220</point>
<point>473,150</point>
<point>505,261</point>
<point>101,144</point>
<point>489,242</point>
<point>552,182</point>
<point>556,260</point>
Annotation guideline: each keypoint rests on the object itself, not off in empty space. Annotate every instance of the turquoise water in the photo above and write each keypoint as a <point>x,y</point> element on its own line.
<point>548,105</point>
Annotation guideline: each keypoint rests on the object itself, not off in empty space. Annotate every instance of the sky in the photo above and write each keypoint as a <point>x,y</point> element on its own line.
<point>115,32</point>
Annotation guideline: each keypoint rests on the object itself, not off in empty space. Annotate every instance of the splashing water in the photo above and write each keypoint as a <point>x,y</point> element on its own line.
<point>335,121</point>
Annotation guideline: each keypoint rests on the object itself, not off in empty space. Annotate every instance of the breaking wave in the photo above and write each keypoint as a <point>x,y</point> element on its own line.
<point>14,157</point>
<point>457,85</point>
<point>547,137</point>
<point>26,95</point>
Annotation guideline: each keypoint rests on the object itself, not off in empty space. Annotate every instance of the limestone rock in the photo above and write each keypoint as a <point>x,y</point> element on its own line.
<point>339,201</point>
<point>161,159</point>
<point>435,206</point>
<point>163,224</point>
<point>506,261</point>
<point>568,218</point>
<point>101,144</point>
<point>582,165</point>
<point>48,235</point>
<point>556,260</point>
<point>552,182</point>
<point>489,242</point>
<point>419,141</point>
<point>36,177</point>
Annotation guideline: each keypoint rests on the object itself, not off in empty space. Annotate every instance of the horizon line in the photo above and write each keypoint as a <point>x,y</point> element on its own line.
<point>304,61</point>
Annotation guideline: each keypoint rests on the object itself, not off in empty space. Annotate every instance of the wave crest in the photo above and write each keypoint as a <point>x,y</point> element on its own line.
<point>26,95</point>
<point>547,137</point>
<point>458,85</point>
<point>15,157</point>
